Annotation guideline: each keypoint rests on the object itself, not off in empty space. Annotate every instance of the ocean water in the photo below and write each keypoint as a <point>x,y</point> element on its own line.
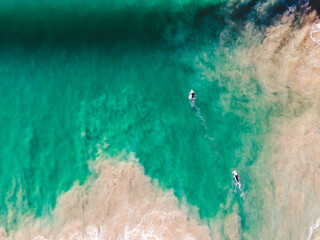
<point>100,141</point>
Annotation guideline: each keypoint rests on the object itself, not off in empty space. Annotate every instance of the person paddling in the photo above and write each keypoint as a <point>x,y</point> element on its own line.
<point>236,177</point>
<point>238,183</point>
<point>192,95</point>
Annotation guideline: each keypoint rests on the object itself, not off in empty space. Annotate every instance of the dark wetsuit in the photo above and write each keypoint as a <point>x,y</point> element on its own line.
<point>237,178</point>
<point>192,95</point>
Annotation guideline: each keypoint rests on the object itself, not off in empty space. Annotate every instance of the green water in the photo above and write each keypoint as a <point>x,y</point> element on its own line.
<point>124,80</point>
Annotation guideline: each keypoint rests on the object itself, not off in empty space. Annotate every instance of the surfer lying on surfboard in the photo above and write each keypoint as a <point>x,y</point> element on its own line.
<point>236,178</point>
<point>238,184</point>
<point>192,95</point>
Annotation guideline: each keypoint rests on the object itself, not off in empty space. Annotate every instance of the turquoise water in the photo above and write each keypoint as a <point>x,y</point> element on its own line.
<point>75,75</point>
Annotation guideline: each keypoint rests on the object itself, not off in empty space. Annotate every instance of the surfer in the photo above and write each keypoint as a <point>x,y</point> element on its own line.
<point>192,95</point>
<point>236,177</point>
<point>238,184</point>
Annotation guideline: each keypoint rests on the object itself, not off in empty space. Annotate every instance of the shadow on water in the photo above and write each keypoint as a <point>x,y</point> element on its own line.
<point>66,27</point>
<point>31,26</point>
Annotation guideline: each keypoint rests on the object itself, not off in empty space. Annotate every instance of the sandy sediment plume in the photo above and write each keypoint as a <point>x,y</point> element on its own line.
<point>287,66</point>
<point>295,172</point>
<point>121,203</point>
<point>232,225</point>
<point>287,63</point>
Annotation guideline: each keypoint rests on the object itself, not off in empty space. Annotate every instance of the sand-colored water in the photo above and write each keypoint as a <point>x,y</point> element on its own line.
<point>296,169</point>
<point>121,203</point>
<point>287,62</point>
<point>287,65</point>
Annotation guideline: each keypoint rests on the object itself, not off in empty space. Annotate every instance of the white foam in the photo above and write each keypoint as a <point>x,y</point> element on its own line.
<point>313,227</point>
<point>39,238</point>
<point>149,228</point>
<point>92,232</point>
<point>76,236</point>
<point>189,237</point>
<point>315,29</point>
